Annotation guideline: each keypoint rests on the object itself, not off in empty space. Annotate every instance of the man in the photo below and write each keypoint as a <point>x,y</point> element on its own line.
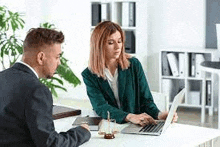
<point>26,104</point>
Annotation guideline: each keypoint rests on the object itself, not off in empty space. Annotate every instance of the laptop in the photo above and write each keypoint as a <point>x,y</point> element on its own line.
<point>161,125</point>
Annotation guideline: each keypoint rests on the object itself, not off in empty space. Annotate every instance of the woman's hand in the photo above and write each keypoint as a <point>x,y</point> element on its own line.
<point>163,116</point>
<point>141,119</point>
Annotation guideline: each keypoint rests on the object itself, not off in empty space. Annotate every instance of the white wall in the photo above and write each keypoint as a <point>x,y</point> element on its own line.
<point>161,23</point>
<point>172,23</point>
<point>73,18</point>
<point>142,33</point>
<point>12,5</point>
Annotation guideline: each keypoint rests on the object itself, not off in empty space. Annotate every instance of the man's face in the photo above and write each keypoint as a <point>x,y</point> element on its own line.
<point>52,60</point>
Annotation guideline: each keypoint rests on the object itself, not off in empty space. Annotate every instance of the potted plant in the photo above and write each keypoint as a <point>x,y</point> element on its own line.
<point>11,48</point>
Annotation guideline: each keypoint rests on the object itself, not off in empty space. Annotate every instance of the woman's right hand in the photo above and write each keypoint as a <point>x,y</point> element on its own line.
<point>140,119</point>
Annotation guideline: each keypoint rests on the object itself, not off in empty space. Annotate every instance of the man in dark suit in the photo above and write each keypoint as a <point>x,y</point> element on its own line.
<point>26,104</point>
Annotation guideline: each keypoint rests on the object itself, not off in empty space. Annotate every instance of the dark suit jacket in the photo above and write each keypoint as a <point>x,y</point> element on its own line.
<point>134,94</point>
<point>26,112</point>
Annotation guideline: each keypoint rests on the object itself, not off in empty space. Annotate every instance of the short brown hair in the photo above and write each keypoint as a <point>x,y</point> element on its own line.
<point>38,37</point>
<point>97,54</point>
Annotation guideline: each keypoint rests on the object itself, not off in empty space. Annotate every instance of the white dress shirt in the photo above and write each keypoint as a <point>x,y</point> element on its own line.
<point>113,82</point>
<point>29,67</point>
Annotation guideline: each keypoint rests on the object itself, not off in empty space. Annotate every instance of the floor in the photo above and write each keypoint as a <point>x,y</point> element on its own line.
<point>192,116</point>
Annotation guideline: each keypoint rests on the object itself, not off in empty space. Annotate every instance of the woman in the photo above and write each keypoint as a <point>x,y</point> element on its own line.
<point>115,81</point>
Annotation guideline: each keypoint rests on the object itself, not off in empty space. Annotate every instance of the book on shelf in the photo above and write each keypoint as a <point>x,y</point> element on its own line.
<point>96,13</point>
<point>193,65</point>
<point>167,87</point>
<point>173,62</point>
<point>62,111</point>
<point>118,9</point>
<point>166,71</point>
<point>194,98</point>
<point>128,14</point>
<point>125,14</point>
<point>132,14</point>
<point>129,42</point>
<point>93,122</point>
<point>218,35</point>
<point>199,59</point>
<point>208,93</point>
<point>105,12</point>
<point>181,65</point>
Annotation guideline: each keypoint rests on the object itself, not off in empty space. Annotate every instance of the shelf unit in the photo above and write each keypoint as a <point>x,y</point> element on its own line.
<point>189,75</point>
<point>113,10</point>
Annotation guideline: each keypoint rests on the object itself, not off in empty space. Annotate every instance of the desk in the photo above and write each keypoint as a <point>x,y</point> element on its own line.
<point>213,67</point>
<point>177,135</point>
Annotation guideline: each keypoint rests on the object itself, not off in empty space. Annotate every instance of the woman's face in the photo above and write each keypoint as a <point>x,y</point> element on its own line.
<point>113,46</point>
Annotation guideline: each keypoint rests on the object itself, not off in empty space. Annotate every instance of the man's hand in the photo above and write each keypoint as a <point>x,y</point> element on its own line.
<point>141,119</point>
<point>85,126</point>
<point>163,116</point>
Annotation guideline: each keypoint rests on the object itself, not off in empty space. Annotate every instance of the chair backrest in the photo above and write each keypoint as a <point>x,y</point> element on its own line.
<point>161,100</point>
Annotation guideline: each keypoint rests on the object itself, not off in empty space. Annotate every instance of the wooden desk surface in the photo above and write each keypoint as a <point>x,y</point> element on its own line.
<point>63,111</point>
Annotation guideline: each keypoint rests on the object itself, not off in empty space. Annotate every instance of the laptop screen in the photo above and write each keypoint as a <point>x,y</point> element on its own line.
<point>177,100</point>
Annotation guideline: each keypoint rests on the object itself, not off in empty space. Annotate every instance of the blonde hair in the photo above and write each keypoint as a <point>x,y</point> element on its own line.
<point>97,54</point>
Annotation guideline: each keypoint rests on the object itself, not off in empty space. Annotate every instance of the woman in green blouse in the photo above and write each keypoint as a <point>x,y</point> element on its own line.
<point>115,81</point>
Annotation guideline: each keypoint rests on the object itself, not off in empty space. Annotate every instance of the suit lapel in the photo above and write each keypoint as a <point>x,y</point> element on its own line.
<point>121,82</point>
<point>107,89</point>
<point>121,86</point>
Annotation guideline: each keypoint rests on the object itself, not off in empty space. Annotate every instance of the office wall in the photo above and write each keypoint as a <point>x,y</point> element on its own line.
<point>172,23</point>
<point>73,18</point>
<point>13,6</point>
<point>77,25</point>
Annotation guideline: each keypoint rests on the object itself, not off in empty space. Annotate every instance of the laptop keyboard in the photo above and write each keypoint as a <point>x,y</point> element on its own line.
<point>152,128</point>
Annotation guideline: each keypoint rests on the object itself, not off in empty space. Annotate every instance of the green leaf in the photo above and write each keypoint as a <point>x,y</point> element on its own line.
<point>19,49</point>
<point>16,24</point>
<point>58,80</point>
<point>3,48</point>
<point>13,46</point>
<point>10,20</point>
<point>13,26</point>
<point>10,13</point>
<point>50,84</point>
<point>57,86</point>
<point>2,51</point>
<point>66,73</point>
<point>53,91</point>
<point>47,25</point>
<point>21,22</point>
